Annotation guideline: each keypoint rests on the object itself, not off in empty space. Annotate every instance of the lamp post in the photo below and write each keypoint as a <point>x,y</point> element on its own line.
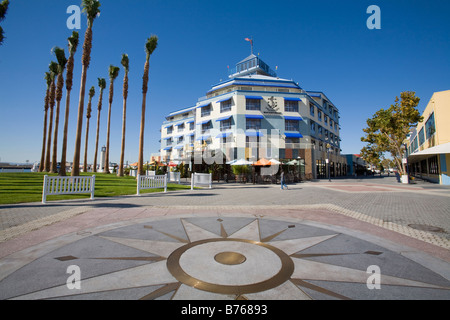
<point>299,173</point>
<point>328,161</point>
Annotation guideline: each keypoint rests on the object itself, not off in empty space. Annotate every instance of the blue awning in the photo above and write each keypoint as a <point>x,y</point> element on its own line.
<point>179,124</point>
<point>168,148</point>
<point>204,105</point>
<point>224,118</point>
<point>293,118</point>
<point>254,134</point>
<point>190,121</point>
<point>168,126</point>
<point>293,135</point>
<point>179,147</point>
<point>204,122</point>
<point>168,138</point>
<point>177,137</point>
<point>254,97</point>
<point>204,138</point>
<point>253,116</point>
<point>223,100</point>
<point>190,134</point>
<point>292,99</point>
<point>224,135</point>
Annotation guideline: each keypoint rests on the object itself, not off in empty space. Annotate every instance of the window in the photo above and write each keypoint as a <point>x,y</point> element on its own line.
<point>319,115</point>
<point>291,125</point>
<point>225,125</point>
<point>325,119</point>
<point>225,106</point>
<point>311,109</point>
<point>180,139</point>
<point>290,106</point>
<point>253,104</point>
<point>181,127</point>
<point>430,126</point>
<point>313,127</point>
<point>421,137</point>
<point>191,126</point>
<point>206,111</point>
<point>206,126</point>
<point>169,142</point>
<point>320,130</point>
<point>170,130</point>
<point>433,166</point>
<point>331,123</point>
<point>253,124</point>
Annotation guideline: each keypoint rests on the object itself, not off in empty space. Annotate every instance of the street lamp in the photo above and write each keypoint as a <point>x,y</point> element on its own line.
<point>328,161</point>
<point>299,173</point>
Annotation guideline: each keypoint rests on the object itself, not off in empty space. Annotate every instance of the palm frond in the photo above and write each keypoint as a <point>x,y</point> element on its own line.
<point>48,79</point>
<point>53,67</point>
<point>113,72</point>
<point>61,57</point>
<point>151,44</point>
<point>102,83</point>
<point>73,42</point>
<point>91,8</point>
<point>92,92</point>
<point>3,9</point>
<point>125,62</point>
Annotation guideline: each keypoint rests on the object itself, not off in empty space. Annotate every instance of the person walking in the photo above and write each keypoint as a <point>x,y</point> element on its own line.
<point>283,181</point>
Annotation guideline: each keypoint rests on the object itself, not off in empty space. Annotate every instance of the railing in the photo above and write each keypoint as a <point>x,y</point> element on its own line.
<point>67,185</point>
<point>151,182</point>
<point>201,179</point>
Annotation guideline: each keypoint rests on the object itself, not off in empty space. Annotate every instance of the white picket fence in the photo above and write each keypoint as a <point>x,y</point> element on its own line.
<point>67,185</point>
<point>201,179</point>
<point>151,182</point>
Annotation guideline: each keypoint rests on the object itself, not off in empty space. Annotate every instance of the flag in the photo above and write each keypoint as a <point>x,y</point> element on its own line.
<point>250,40</point>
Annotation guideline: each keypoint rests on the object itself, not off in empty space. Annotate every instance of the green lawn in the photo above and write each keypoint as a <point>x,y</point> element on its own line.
<point>27,187</point>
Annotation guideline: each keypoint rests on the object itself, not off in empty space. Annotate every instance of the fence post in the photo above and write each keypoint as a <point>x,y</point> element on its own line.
<point>138,184</point>
<point>192,181</point>
<point>165,182</point>
<point>92,187</point>
<point>210,180</point>
<point>44,191</point>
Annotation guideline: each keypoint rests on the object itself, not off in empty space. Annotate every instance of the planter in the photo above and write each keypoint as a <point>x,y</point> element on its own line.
<point>405,178</point>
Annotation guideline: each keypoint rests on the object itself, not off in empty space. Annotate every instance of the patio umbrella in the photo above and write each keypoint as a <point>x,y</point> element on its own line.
<point>171,164</point>
<point>241,162</point>
<point>274,161</point>
<point>262,162</point>
<point>293,163</point>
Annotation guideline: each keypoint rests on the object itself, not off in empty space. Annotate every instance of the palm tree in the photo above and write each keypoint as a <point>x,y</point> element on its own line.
<point>48,80</point>
<point>73,45</point>
<point>88,117</point>
<point>53,67</point>
<point>113,73</point>
<point>3,9</point>
<point>150,46</point>
<point>126,65</point>
<point>91,8</point>
<point>61,57</point>
<point>102,85</point>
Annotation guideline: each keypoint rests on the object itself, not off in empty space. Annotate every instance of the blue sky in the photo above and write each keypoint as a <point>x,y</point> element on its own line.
<point>324,45</point>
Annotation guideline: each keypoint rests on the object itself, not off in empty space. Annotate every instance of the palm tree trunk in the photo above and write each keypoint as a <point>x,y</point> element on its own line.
<point>49,142</point>
<point>108,131</point>
<point>124,120</point>
<point>87,46</point>
<point>86,146</point>
<point>62,169</point>
<point>44,140</point>
<point>141,136</point>
<point>55,140</point>
<point>96,141</point>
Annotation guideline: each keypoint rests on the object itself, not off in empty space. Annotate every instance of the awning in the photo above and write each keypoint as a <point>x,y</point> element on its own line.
<point>179,124</point>
<point>204,105</point>
<point>190,121</point>
<point>224,135</point>
<point>292,99</point>
<point>224,118</point>
<point>179,147</point>
<point>204,138</point>
<point>293,135</point>
<point>204,122</point>
<point>253,116</point>
<point>177,137</point>
<point>168,138</point>
<point>440,149</point>
<point>254,97</point>
<point>168,148</point>
<point>223,100</point>
<point>254,134</point>
<point>293,118</point>
<point>190,134</point>
<point>168,126</point>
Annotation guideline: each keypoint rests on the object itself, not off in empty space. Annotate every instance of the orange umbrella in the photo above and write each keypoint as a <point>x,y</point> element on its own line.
<point>134,164</point>
<point>262,162</point>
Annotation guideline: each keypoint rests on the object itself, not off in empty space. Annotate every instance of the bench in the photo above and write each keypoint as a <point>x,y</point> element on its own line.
<point>67,185</point>
<point>201,179</point>
<point>151,182</point>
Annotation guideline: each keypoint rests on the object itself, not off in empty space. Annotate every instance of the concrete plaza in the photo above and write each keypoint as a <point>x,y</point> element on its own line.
<point>317,240</point>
